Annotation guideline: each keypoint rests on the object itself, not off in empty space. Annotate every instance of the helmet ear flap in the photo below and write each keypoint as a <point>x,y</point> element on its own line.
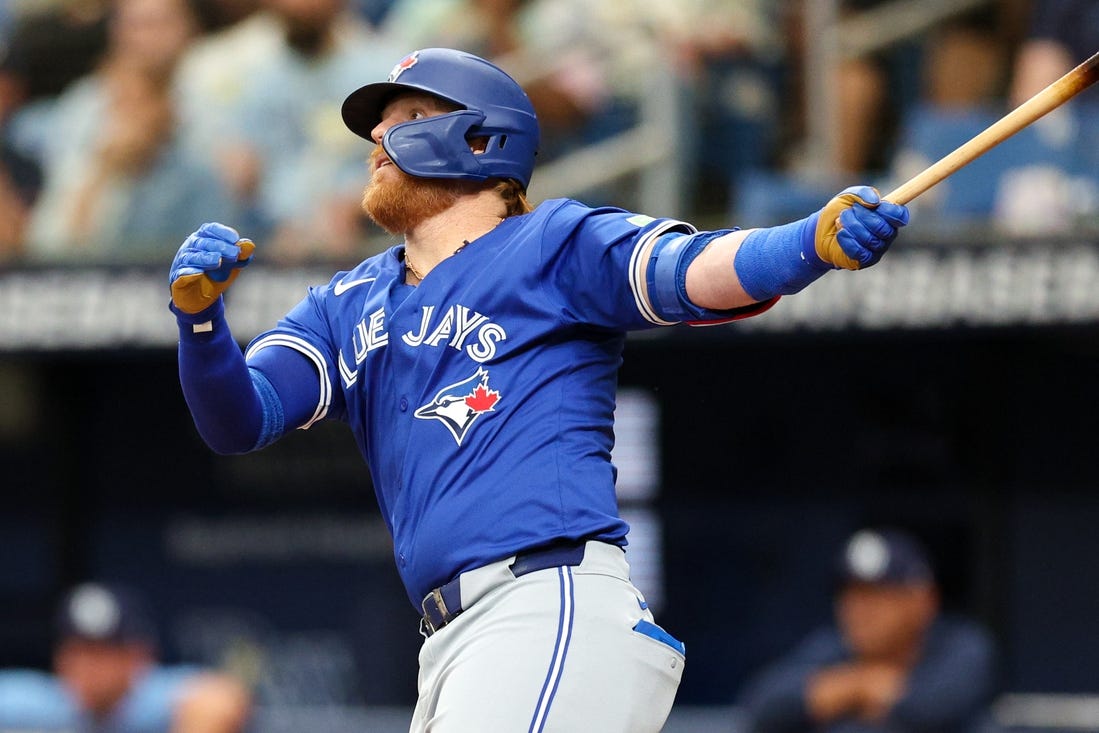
<point>436,147</point>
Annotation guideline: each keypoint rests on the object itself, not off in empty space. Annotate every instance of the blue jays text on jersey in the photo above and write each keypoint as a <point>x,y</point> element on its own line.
<point>491,384</point>
<point>460,327</point>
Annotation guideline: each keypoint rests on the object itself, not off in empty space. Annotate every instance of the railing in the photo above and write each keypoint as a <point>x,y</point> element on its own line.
<point>1048,712</point>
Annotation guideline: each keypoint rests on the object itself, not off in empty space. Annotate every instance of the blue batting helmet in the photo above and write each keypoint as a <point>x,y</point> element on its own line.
<point>492,105</point>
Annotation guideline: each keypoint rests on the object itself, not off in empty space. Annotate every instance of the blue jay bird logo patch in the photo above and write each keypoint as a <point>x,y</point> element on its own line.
<point>403,65</point>
<point>459,405</point>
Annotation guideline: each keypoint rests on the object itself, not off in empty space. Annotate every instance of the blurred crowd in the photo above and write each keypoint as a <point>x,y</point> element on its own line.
<point>124,124</point>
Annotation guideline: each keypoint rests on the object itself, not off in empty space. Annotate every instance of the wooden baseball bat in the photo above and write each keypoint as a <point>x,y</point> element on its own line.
<point>1053,96</point>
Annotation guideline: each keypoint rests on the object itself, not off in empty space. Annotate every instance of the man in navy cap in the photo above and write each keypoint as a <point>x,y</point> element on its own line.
<point>892,661</point>
<point>107,679</point>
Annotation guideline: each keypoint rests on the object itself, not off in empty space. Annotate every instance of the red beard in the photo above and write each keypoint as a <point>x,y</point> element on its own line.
<point>399,206</point>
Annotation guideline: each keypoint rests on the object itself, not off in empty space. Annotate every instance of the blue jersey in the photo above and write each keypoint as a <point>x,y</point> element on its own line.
<point>483,399</point>
<point>37,702</point>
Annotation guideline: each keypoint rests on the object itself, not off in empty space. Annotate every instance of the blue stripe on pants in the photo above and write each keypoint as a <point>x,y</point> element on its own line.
<point>560,650</point>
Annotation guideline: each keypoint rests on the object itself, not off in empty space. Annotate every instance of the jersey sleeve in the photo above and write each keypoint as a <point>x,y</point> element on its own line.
<point>305,329</point>
<point>601,267</point>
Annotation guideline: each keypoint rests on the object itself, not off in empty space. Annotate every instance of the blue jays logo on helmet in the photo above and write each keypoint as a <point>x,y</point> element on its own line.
<point>406,63</point>
<point>491,105</point>
<point>459,405</point>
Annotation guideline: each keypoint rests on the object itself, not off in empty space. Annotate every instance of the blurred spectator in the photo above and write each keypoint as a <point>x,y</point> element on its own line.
<point>700,72</point>
<point>875,92</point>
<point>213,78</point>
<point>284,150</point>
<point>106,677</point>
<point>578,61</point>
<point>885,102</point>
<point>32,71</point>
<point>892,662</point>
<point>117,184</point>
<point>731,58</point>
<point>53,44</point>
<point>1045,179</point>
<point>1056,188</point>
<point>1062,34</point>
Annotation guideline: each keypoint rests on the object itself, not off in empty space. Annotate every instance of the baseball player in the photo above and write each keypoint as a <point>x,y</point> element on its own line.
<point>475,363</point>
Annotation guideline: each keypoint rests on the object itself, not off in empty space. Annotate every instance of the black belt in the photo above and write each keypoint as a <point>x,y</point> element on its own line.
<point>444,604</point>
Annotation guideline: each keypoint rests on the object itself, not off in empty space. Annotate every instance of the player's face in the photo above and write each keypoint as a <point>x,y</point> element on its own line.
<point>407,107</point>
<point>99,675</point>
<point>881,621</point>
<point>396,201</point>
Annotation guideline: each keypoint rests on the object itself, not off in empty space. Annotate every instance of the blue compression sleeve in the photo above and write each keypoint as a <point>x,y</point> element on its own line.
<point>292,388</point>
<point>771,261</point>
<point>217,385</point>
<point>274,419</point>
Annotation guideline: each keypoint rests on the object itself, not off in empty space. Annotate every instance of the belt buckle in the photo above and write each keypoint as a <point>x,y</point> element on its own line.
<point>435,596</point>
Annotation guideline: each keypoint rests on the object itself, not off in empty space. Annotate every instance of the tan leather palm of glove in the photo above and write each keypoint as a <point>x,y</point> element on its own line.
<point>206,265</point>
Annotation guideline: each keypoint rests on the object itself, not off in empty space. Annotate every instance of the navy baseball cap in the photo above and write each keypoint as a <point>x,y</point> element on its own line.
<point>107,613</point>
<point>886,556</point>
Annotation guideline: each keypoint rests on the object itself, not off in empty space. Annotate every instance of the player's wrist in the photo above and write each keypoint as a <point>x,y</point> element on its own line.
<point>203,321</point>
<point>779,260</point>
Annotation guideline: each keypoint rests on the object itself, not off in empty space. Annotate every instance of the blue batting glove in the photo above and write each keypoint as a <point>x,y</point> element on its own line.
<point>206,265</point>
<point>853,230</point>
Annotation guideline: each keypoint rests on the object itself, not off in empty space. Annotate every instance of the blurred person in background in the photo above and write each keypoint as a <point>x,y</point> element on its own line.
<point>876,90</point>
<point>52,44</point>
<point>116,181</point>
<point>211,93</point>
<point>891,662</point>
<point>731,58</point>
<point>106,677</point>
<point>43,47</point>
<point>1061,34</point>
<point>583,64</point>
<point>556,55</point>
<point>591,69</point>
<point>1055,188</point>
<point>286,154</point>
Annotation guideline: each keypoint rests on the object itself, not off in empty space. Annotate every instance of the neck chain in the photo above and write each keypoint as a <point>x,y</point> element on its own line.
<point>412,268</point>
<point>416,273</point>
